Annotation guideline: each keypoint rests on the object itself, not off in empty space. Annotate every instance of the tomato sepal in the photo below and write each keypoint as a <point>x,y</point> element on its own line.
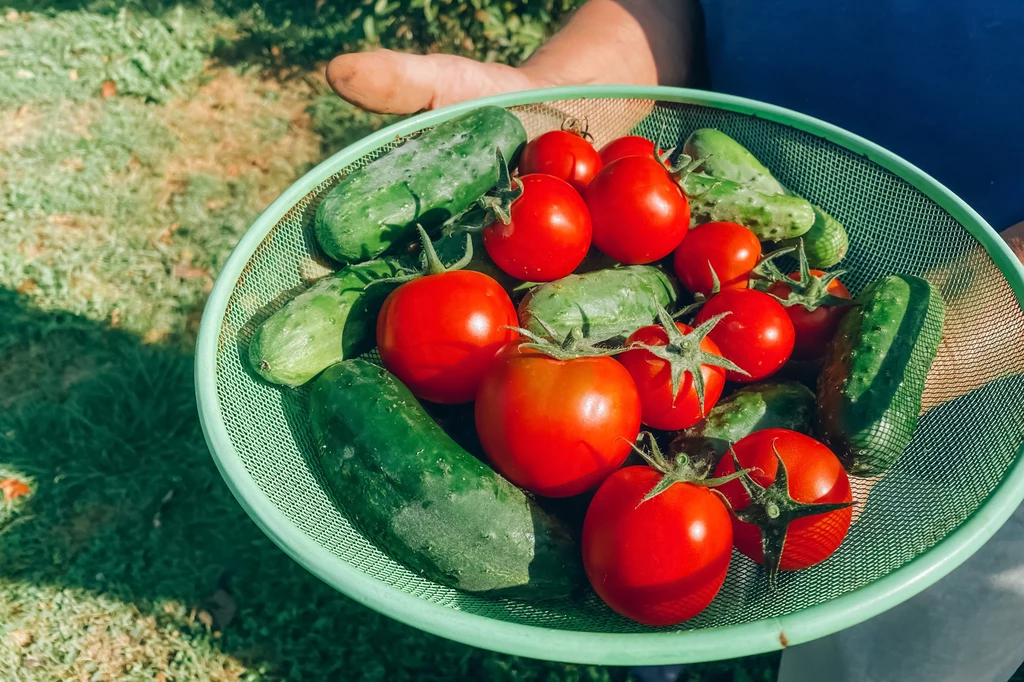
<point>684,354</point>
<point>573,345</point>
<point>430,262</point>
<point>498,202</point>
<point>684,164</point>
<point>699,299</point>
<point>682,469</point>
<point>771,509</point>
<point>810,291</point>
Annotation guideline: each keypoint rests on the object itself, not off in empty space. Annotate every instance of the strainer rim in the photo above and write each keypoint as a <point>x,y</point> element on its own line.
<point>649,648</point>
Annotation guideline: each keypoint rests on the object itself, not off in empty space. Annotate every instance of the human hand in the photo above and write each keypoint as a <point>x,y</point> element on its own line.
<point>396,83</point>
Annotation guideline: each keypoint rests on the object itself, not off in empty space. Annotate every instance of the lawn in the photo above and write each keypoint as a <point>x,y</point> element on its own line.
<point>139,141</point>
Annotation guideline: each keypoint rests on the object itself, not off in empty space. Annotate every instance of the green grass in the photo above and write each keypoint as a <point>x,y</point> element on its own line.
<point>129,559</point>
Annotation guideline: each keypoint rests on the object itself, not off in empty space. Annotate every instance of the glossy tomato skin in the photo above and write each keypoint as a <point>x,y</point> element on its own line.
<point>757,334</point>
<point>549,233</point>
<point>439,333</point>
<point>815,476</point>
<point>731,249</point>
<point>638,212</point>
<point>563,154</point>
<point>556,428</point>
<point>659,561</point>
<point>660,409</point>
<point>814,328</point>
<point>631,145</point>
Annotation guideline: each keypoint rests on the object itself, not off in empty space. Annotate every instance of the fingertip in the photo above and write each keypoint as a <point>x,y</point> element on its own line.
<point>377,81</point>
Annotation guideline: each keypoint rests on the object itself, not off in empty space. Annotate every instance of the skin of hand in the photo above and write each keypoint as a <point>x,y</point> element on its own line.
<point>639,42</point>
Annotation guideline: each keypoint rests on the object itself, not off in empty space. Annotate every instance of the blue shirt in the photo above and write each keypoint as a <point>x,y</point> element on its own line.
<point>938,82</point>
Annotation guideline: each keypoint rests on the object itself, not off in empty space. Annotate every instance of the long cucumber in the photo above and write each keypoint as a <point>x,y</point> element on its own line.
<point>869,391</point>
<point>424,500</point>
<point>426,180</point>
<point>825,243</point>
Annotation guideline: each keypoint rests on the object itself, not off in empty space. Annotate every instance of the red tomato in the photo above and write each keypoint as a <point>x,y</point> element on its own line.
<point>631,145</point>
<point>563,154</point>
<point>731,249</point>
<point>757,334</point>
<point>815,476</point>
<point>548,234</point>
<point>638,211</point>
<point>814,328</point>
<point>439,333</point>
<point>660,407</point>
<point>556,427</point>
<point>659,561</point>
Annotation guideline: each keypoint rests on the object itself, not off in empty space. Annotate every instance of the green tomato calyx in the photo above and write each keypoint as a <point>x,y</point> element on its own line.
<point>772,509</point>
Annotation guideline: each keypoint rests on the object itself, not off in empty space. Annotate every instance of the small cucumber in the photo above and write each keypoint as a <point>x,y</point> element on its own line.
<point>727,159</point>
<point>769,216</point>
<point>336,318</point>
<point>786,405</point>
<point>825,243</point>
<point>427,180</point>
<point>427,502</point>
<point>603,304</point>
<point>870,388</point>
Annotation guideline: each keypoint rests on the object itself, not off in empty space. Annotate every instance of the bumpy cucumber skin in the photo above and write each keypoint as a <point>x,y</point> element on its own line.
<point>869,391</point>
<point>727,159</point>
<point>826,243</point>
<point>427,502</point>
<point>772,217</point>
<point>603,304</point>
<point>426,180</point>
<point>785,405</point>
<point>336,318</point>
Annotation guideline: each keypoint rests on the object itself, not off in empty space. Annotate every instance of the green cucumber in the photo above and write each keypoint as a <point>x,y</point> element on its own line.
<point>425,501</point>
<point>727,159</point>
<point>825,243</point>
<point>769,216</point>
<point>870,388</point>
<point>785,405</point>
<point>427,180</point>
<point>603,304</point>
<point>335,319</point>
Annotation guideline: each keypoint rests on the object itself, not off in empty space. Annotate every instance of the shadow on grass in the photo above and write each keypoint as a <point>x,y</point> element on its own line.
<point>127,503</point>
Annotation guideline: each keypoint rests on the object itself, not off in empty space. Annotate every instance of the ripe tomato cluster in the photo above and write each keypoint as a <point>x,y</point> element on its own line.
<point>559,416</point>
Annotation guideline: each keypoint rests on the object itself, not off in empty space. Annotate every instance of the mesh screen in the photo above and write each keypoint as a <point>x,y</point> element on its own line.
<point>972,426</point>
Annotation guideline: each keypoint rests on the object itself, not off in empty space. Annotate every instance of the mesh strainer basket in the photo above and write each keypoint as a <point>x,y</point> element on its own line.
<point>957,483</point>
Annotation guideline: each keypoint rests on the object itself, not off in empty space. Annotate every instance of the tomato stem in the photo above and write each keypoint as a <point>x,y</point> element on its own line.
<point>431,263</point>
<point>574,345</point>
<point>684,354</point>
<point>682,471</point>
<point>772,509</point>
<point>573,125</point>
<point>810,291</point>
<point>498,202</point>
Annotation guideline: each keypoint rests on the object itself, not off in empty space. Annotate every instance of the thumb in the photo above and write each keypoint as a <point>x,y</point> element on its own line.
<point>396,83</point>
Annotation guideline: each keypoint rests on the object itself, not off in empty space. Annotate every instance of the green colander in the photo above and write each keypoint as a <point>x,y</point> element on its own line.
<point>959,480</point>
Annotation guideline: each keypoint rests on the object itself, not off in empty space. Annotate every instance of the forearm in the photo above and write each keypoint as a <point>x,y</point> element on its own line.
<point>641,42</point>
